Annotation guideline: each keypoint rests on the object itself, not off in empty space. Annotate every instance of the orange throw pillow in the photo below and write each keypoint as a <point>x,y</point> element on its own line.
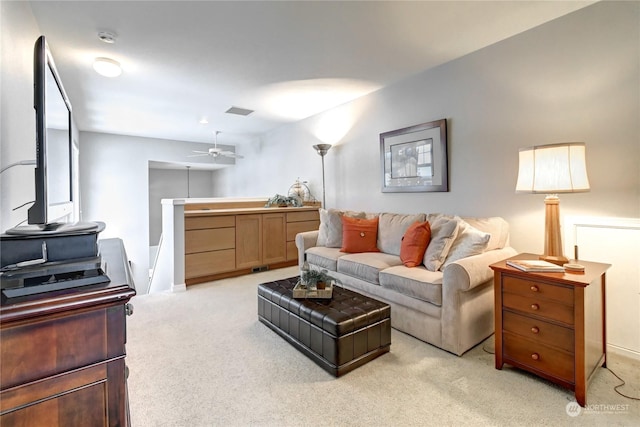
<point>414,243</point>
<point>359,235</point>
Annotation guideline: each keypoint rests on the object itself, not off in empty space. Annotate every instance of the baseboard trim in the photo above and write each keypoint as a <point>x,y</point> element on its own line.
<point>630,354</point>
<point>181,287</point>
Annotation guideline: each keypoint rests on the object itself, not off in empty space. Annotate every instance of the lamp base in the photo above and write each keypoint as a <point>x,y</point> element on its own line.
<point>558,260</point>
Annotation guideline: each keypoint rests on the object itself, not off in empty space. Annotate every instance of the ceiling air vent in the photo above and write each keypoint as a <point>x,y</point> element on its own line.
<point>239,111</point>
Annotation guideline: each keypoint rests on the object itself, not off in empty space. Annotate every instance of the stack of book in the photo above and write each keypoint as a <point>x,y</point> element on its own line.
<point>535,265</point>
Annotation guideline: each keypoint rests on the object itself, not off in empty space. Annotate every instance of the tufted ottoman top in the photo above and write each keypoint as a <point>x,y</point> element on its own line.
<point>346,312</point>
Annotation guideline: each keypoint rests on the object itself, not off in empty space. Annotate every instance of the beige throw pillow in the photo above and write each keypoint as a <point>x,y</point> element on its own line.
<point>330,231</point>
<point>443,233</point>
<point>470,241</point>
<point>391,229</point>
<point>496,226</point>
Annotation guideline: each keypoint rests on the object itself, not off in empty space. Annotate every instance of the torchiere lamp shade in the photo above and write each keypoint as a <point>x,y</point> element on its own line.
<point>322,150</point>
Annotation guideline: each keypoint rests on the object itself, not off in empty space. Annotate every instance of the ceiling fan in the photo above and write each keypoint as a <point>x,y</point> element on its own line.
<point>216,152</point>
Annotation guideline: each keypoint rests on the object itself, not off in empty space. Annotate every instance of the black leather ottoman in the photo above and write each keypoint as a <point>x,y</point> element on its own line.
<point>339,334</point>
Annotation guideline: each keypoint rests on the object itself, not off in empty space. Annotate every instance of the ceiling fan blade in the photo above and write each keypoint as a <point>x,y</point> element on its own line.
<point>198,155</point>
<point>231,154</point>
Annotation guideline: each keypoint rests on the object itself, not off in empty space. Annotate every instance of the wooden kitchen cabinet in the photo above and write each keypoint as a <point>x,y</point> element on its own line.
<point>227,239</point>
<point>274,245</point>
<point>299,222</point>
<point>248,241</point>
<point>210,245</point>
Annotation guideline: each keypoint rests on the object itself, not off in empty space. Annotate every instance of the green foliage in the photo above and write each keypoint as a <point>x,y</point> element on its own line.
<point>311,278</point>
<point>280,200</point>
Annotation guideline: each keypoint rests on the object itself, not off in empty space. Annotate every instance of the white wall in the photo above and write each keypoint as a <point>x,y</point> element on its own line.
<point>574,79</point>
<point>114,178</point>
<point>172,184</point>
<point>17,115</point>
<point>17,125</point>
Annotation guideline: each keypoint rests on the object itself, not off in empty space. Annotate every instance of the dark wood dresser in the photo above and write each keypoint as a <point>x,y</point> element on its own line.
<point>62,354</point>
<point>551,324</point>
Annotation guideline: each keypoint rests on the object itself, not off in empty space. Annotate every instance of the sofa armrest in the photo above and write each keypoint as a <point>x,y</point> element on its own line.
<point>467,273</point>
<point>304,241</point>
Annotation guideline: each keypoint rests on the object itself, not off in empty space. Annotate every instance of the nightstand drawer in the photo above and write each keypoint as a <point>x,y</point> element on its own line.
<point>536,289</point>
<point>539,307</point>
<point>539,331</point>
<point>551,325</point>
<point>539,357</point>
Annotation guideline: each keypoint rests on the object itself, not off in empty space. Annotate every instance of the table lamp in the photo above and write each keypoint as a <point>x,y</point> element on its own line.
<point>322,150</point>
<point>553,169</point>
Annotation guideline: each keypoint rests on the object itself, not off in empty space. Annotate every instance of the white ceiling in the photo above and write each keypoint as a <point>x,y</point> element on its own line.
<point>185,60</point>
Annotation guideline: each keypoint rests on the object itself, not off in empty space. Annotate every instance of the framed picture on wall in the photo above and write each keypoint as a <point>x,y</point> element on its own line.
<point>414,159</point>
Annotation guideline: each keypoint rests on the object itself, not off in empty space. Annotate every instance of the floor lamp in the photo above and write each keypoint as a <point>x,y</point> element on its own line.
<point>322,149</point>
<point>552,169</point>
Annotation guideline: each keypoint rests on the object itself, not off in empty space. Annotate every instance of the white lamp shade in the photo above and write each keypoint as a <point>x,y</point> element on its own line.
<point>554,168</point>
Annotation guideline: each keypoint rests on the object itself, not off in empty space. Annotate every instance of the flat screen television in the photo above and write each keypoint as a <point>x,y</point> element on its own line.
<point>54,185</point>
<point>54,198</point>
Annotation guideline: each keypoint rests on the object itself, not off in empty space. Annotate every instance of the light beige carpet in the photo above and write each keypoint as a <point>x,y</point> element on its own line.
<point>202,358</point>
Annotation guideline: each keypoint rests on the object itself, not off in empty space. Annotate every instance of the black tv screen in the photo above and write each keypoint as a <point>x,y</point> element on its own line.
<point>53,173</point>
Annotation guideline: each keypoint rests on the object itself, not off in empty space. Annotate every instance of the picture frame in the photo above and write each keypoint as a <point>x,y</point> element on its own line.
<point>414,159</point>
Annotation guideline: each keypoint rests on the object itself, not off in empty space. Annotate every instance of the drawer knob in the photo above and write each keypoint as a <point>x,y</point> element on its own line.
<point>535,307</point>
<point>535,330</point>
<point>534,288</point>
<point>535,356</point>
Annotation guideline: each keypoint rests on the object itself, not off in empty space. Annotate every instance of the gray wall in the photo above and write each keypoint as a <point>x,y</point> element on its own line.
<point>574,79</point>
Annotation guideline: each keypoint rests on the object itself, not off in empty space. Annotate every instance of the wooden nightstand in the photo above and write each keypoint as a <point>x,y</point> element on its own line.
<point>551,324</point>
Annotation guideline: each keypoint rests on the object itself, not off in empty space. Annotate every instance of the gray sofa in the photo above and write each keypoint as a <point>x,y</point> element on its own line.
<point>446,301</point>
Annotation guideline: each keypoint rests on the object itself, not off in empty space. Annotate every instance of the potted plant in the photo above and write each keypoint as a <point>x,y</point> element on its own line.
<point>316,279</point>
<point>283,201</point>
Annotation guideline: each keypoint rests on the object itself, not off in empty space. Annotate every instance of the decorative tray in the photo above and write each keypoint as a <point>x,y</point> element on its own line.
<point>301,292</point>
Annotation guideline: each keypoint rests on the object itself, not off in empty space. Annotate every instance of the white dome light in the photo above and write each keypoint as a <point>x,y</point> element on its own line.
<point>107,67</point>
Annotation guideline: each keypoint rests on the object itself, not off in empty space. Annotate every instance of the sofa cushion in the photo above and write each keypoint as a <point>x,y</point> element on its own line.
<point>367,265</point>
<point>330,231</point>
<point>324,257</point>
<point>497,227</point>
<point>416,282</point>
<point>414,243</point>
<point>443,232</point>
<point>470,241</point>
<point>359,235</point>
<point>392,227</point>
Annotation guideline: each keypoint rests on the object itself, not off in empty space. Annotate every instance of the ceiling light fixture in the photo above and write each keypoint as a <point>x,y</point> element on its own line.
<point>107,67</point>
<point>107,37</point>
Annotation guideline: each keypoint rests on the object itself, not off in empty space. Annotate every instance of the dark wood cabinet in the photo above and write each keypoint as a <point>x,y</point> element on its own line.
<point>62,354</point>
<point>551,324</point>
